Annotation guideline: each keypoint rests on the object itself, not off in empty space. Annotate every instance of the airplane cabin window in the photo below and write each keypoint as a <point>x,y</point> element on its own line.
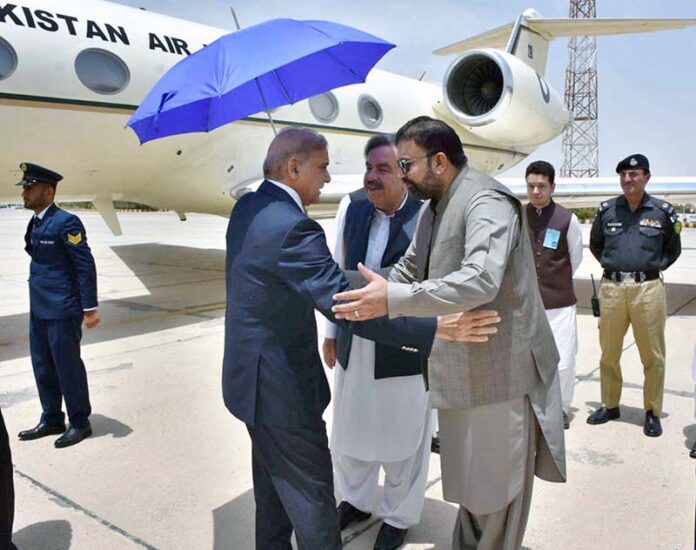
<point>102,71</point>
<point>370,111</point>
<point>8,59</point>
<point>324,107</point>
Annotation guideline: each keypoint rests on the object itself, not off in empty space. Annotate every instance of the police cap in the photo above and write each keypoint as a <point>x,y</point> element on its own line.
<point>33,173</point>
<point>634,162</point>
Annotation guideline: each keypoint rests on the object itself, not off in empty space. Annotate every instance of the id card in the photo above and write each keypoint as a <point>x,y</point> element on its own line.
<point>551,238</point>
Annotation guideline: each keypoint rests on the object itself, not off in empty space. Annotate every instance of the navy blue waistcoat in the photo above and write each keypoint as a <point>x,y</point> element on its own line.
<point>390,361</point>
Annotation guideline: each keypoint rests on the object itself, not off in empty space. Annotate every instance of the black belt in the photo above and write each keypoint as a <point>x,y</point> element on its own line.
<point>633,276</point>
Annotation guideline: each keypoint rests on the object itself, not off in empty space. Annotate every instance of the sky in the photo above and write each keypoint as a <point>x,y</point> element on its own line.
<point>647,82</point>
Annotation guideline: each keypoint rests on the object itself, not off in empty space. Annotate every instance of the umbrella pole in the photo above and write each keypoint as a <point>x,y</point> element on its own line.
<point>270,119</point>
<point>268,113</point>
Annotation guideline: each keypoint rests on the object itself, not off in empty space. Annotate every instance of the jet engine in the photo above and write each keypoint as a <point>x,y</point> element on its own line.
<point>498,97</point>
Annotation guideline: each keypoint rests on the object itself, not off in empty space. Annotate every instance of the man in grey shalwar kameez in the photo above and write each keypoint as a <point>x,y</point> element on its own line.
<point>499,403</point>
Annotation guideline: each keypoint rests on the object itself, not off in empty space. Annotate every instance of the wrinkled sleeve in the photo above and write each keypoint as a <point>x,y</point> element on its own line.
<point>74,240</point>
<point>492,231</point>
<point>575,243</point>
<point>597,237</point>
<point>307,267</point>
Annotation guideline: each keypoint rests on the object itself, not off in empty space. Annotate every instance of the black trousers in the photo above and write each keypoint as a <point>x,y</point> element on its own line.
<point>6,489</point>
<point>293,488</point>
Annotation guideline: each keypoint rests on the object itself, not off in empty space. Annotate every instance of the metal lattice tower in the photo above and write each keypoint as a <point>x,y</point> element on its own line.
<point>580,141</point>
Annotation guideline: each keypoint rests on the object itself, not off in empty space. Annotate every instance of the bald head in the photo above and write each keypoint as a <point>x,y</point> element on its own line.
<point>298,157</point>
<point>290,143</point>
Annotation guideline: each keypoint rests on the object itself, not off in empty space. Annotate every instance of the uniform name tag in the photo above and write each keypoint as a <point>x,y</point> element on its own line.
<point>47,242</point>
<point>551,238</point>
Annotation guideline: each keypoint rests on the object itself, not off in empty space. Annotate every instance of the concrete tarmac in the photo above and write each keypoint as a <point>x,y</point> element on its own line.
<point>169,468</point>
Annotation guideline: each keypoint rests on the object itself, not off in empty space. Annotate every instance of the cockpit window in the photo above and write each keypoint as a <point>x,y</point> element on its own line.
<point>102,71</point>
<point>8,59</point>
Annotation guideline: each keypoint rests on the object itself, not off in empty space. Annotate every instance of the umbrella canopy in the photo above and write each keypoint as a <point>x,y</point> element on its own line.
<point>256,69</point>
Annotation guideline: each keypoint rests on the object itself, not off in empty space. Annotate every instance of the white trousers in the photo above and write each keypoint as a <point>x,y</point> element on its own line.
<point>564,326</point>
<point>404,483</point>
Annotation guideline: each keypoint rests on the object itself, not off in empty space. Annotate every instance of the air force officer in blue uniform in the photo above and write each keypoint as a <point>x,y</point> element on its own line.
<point>63,294</point>
<point>279,269</point>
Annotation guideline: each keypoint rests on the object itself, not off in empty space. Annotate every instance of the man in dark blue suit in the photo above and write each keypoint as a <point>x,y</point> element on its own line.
<point>279,269</point>
<point>63,294</point>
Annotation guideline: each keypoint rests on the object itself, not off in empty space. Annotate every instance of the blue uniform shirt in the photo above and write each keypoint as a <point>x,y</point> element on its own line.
<point>62,275</point>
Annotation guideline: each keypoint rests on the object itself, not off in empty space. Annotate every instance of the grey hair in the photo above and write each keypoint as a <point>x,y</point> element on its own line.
<point>291,142</point>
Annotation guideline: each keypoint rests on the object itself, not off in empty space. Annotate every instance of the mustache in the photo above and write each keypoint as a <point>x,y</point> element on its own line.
<point>374,185</point>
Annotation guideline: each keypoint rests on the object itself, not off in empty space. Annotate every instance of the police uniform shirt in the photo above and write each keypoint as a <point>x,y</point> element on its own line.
<point>644,240</point>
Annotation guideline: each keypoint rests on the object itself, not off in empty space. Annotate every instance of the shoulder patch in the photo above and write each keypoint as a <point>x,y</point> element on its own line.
<point>75,239</point>
<point>677,227</point>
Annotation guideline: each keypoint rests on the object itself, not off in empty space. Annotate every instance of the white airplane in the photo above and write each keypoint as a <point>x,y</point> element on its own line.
<point>73,71</point>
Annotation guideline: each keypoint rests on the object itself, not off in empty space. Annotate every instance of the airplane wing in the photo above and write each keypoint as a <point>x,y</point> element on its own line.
<point>560,28</point>
<point>570,192</point>
<point>589,192</point>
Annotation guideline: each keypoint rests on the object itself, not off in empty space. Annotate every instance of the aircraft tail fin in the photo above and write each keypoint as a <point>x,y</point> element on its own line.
<point>563,28</point>
<point>532,30</point>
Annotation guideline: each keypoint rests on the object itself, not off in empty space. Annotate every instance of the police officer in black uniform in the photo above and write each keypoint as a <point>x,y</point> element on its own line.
<point>63,294</point>
<point>635,237</point>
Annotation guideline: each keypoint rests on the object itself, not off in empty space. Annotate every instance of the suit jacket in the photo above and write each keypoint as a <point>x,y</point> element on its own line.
<point>62,274</point>
<point>279,269</point>
<point>480,258</point>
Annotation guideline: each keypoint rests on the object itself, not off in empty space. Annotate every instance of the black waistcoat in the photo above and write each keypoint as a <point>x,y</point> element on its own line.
<point>390,361</point>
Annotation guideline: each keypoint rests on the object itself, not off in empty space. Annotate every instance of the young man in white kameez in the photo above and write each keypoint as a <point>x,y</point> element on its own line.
<point>557,245</point>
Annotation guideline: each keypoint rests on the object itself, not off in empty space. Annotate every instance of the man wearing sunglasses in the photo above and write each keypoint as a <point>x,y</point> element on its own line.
<point>499,403</point>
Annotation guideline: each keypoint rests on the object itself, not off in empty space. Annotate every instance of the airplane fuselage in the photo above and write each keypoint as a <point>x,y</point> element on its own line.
<point>53,118</point>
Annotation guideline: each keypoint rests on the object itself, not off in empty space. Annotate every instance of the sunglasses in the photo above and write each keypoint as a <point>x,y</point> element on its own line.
<point>405,164</point>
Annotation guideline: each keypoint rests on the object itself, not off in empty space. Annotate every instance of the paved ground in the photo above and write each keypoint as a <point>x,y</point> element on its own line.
<point>169,468</point>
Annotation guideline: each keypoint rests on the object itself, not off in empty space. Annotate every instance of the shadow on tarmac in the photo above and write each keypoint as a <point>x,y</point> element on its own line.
<point>185,285</point>
<point>234,522</point>
<point>690,435</point>
<point>104,425</point>
<point>46,535</point>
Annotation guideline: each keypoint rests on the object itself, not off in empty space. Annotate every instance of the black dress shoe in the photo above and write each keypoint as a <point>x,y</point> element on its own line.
<point>566,421</point>
<point>347,514</point>
<point>41,430</point>
<point>692,454</point>
<point>652,426</point>
<point>603,415</point>
<point>73,436</point>
<point>389,537</point>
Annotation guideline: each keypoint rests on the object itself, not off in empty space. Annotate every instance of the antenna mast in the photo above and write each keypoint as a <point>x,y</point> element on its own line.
<point>580,140</point>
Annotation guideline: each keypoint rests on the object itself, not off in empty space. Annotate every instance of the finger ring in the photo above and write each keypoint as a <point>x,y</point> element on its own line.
<point>356,313</point>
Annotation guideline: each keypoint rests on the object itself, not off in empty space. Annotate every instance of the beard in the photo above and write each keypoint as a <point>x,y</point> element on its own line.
<point>426,189</point>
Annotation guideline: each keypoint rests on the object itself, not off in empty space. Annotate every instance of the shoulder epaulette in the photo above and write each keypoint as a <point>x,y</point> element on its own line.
<point>604,205</point>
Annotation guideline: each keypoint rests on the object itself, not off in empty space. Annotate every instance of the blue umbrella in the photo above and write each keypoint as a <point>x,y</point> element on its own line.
<point>275,63</point>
